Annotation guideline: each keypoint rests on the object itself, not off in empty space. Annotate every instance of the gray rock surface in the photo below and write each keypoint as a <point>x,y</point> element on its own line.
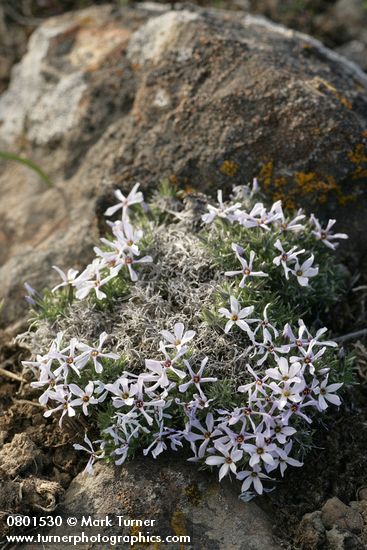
<point>110,96</point>
<point>182,500</point>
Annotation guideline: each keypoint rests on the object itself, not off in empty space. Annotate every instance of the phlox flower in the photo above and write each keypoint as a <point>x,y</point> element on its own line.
<point>134,197</point>
<point>326,394</point>
<point>246,270</point>
<point>286,257</point>
<point>129,260</point>
<point>226,460</point>
<point>84,397</point>
<point>261,451</point>
<point>95,353</point>
<point>196,378</point>
<point>282,460</point>
<point>286,373</point>
<point>62,397</point>
<point>93,455</point>
<point>206,434</point>
<point>325,235</point>
<point>265,325</point>
<point>179,337</point>
<point>308,358</point>
<point>92,279</point>
<point>304,271</point>
<point>68,279</point>
<point>237,316</point>
<point>252,477</point>
<point>222,211</point>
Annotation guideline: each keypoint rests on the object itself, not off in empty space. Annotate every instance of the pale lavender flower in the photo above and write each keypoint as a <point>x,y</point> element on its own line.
<point>252,477</point>
<point>326,394</point>
<point>226,460</point>
<point>134,197</point>
<point>285,258</point>
<point>93,455</point>
<point>222,211</point>
<point>304,271</point>
<point>237,316</point>
<point>179,337</point>
<point>246,270</point>
<point>196,378</point>
<point>95,353</point>
<point>68,278</point>
<point>84,397</point>
<point>325,235</point>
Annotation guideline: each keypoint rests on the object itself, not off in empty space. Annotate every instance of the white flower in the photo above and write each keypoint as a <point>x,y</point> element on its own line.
<point>246,270</point>
<point>305,271</point>
<point>325,235</point>
<point>129,261</point>
<point>308,357</point>
<point>208,432</point>
<point>227,460</point>
<point>63,398</point>
<point>221,212</point>
<point>95,353</point>
<point>91,279</point>
<point>196,378</point>
<point>284,372</point>
<point>134,197</point>
<point>161,368</point>
<point>252,477</point>
<point>267,348</point>
<point>94,455</point>
<point>288,225</point>
<point>327,393</point>
<point>258,217</point>
<point>68,278</point>
<point>261,451</point>
<point>123,391</point>
<point>282,460</point>
<point>266,326</point>
<point>236,316</point>
<point>84,397</point>
<point>286,257</point>
<point>179,337</point>
<point>287,394</point>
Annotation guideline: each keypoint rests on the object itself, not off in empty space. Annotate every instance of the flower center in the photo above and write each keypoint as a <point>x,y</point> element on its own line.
<point>294,408</point>
<point>128,260</point>
<point>307,360</point>
<point>286,393</point>
<point>323,391</point>
<point>229,460</point>
<point>284,257</point>
<point>253,474</point>
<point>240,438</point>
<point>234,317</point>
<point>323,235</point>
<point>277,429</point>
<point>196,379</point>
<point>246,271</point>
<point>270,349</point>
<point>299,273</point>
<point>130,243</point>
<point>70,360</point>
<point>207,435</point>
<point>247,411</point>
<point>94,353</point>
<point>85,398</point>
<point>139,404</point>
<point>167,364</point>
<point>285,378</point>
<point>260,451</point>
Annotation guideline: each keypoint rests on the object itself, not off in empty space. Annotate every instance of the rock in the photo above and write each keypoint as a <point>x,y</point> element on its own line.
<point>336,513</point>
<point>310,532</point>
<point>356,51</point>
<point>20,455</point>
<point>181,500</point>
<point>107,96</point>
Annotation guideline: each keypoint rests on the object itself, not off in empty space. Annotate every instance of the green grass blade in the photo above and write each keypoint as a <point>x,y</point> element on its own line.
<point>30,164</point>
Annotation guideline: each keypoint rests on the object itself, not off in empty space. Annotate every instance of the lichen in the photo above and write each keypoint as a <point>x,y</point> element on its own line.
<point>229,168</point>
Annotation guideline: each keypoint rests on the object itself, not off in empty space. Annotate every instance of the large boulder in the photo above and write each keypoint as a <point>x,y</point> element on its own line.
<point>179,499</point>
<point>108,96</point>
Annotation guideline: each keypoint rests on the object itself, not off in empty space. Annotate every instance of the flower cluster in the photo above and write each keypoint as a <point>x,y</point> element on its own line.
<point>274,219</point>
<point>174,398</point>
<point>168,402</point>
<point>122,252</point>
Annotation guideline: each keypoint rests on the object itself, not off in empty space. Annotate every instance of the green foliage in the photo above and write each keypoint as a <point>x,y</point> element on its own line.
<point>29,163</point>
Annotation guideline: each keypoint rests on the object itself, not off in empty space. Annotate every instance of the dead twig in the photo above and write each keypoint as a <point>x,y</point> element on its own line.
<point>352,335</point>
<point>11,375</point>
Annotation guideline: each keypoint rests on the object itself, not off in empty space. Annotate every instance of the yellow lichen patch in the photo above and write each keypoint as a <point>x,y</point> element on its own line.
<point>178,524</point>
<point>320,83</point>
<point>193,494</point>
<point>358,156</point>
<point>292,189</point>
<point>229,168</point>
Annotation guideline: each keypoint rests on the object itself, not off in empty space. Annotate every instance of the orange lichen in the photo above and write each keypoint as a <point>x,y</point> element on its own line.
<point>229,168</point>
<point>358,157</point>
<point>292,189</point>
